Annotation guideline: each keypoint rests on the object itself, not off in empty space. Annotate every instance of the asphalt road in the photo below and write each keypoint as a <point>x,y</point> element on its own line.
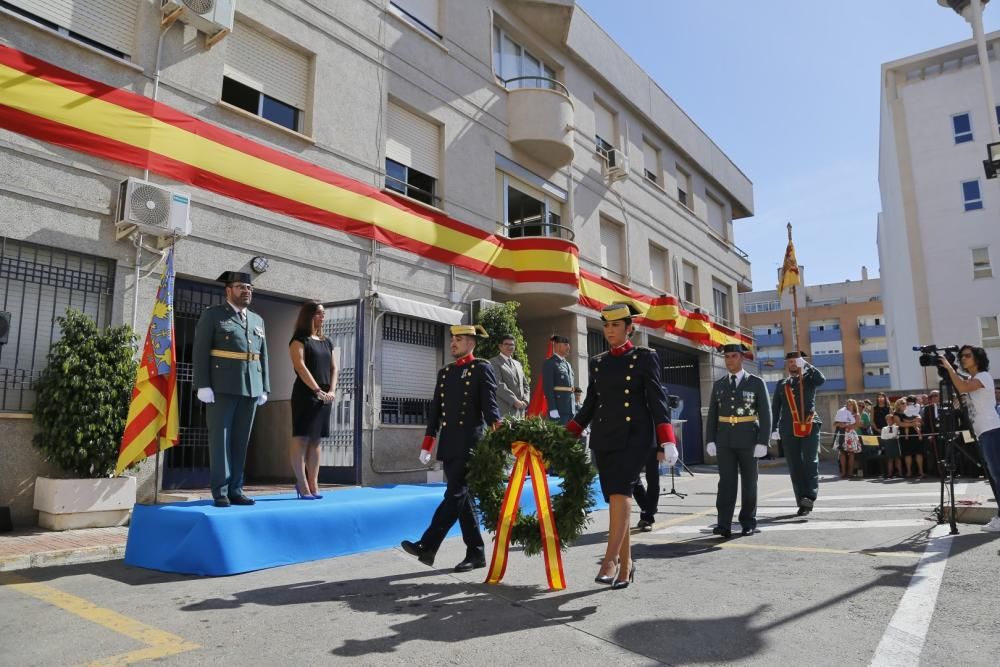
<point>863,580</point>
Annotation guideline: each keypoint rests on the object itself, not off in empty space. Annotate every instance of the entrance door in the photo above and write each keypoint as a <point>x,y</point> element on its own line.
<point>681,379</point>
<point>340,454</point>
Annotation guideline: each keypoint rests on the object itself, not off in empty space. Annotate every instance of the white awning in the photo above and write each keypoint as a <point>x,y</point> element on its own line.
<point>425,311</point>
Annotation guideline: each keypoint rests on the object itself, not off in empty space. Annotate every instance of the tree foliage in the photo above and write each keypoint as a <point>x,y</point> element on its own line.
<point>83,396</point>
<point>500,320</point>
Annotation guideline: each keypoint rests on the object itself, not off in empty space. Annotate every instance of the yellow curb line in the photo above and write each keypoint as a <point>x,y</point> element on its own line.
<point>159,643</point>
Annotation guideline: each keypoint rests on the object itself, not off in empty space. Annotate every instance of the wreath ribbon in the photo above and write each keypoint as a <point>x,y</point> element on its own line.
<point>527,456</point>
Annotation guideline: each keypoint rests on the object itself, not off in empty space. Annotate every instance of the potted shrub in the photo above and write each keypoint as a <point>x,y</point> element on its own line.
<point>80,410</point>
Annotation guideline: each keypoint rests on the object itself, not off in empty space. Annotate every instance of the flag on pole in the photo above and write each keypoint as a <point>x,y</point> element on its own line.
<point>153,423</point>
<point>538,406</point>
<point>789,274</point>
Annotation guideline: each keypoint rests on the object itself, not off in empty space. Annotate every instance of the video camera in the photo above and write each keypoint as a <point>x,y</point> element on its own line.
<point>929,355</point>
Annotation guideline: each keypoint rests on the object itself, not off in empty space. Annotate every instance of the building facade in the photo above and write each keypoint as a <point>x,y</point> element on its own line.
<point>403,162</point>
<point>841,326</point>
<point>937,231</point>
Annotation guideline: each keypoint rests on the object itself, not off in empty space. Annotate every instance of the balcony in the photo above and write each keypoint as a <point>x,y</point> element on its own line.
<point>833,384</point>
<point>875,356</point>
<point>540,119</point>
<point>878,381</point>
<point>824,360</point>
<point>770,340</point>
<point>543,297</point>
<point>872,331</point>
<point>824,336</point>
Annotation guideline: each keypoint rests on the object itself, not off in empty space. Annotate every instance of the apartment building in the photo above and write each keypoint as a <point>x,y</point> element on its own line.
<point>403,162</point>
<point>937,232</point>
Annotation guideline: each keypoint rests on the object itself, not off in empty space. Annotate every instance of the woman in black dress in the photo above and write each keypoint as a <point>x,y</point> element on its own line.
<point>626,408</point>
<point>312,396</point>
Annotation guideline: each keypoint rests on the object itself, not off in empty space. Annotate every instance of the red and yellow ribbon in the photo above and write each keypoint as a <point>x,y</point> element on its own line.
<point>527,456</point>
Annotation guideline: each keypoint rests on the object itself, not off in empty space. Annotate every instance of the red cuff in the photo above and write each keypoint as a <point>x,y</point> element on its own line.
<point>665,434</point>
<point>574,428</point>
<point>428,443</point>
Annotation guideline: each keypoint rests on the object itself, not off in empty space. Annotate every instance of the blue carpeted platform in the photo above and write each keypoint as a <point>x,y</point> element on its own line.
<point>198,538</point>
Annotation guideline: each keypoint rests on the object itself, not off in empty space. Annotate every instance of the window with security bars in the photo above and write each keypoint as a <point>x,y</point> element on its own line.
<point>596,342</point>
<point>37,285</point>
<point>410,357</point>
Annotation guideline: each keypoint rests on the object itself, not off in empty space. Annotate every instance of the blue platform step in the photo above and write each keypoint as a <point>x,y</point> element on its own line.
<point>199,538</point>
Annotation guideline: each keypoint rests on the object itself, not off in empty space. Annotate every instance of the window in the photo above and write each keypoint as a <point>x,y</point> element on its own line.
<point>265,77</point>
<point>990,330</point>
<point>998,115</point>
<point>605,134</point>
<point>762,307</point>
<point>410,357</point>
<point>611,250</point>
<point>650,162</point>
<point>39,284</point>
<point>421,14</point>
<point>720,302</point>
<point>962,125</point>
<point>412,155</point>
<point>690,287</point>
<point>684,187</point>
<point>527,210</point>
<point>511,60</point>
<point>970,193</point>
<point>716,215</point>
<point>824,325</point>
<point>766,330</point>
<point>659,268</point>
<point>981,267</point>
<point>109,26</point>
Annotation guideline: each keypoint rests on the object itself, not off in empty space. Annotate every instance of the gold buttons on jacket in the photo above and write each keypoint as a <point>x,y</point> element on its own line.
<point>626,404</point>
<point>626,391</point>
<point>628,377</point>
<point>628,419</point>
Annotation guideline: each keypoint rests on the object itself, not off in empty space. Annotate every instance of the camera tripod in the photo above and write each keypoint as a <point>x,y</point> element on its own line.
<point>949,435</point>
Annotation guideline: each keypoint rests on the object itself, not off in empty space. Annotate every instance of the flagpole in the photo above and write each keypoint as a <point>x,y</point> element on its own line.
<point>795,305</point>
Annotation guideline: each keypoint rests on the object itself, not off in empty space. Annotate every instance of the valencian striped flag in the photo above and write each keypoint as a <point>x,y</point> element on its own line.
<point>153,423</point>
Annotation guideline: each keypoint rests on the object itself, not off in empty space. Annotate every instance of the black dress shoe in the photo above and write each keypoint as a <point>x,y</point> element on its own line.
<point>724,533</point>
<point>803,511</point>
<point>222,502</point>
<point>242,500</point>
<point>645,526</point>
<point>471,563</point>
<point>417,549</point>
<point>748,531</point>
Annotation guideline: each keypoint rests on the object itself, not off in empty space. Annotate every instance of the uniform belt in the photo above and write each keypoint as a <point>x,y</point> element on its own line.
<point>733,419</point>
<point>569,389</point>
<point>242,356</point>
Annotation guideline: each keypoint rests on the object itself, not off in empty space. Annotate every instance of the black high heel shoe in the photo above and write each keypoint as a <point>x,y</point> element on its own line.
<point>606,579</point>
<point>623,583</point>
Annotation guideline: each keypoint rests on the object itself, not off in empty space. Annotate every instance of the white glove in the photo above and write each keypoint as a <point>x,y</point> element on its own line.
<point>670,452</point>
<point>262,399</point>
<point>775,436</point>
<point>759,451</point>
<point>554,414</point>
<point>425,457</point>
<point>206,395</point>
<point>710,449</point>
<point>800,362</point>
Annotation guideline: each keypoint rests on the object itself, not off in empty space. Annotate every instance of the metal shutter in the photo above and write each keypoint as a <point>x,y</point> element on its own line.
<point>716,216</point>
<point>413,141</point>
<point>408,371</point>
<point>425,11</point>
<point>650,162</point>
<point>611,247</point>
<point>278,71</point>
<point>108,22</point>
<point>605,123</point>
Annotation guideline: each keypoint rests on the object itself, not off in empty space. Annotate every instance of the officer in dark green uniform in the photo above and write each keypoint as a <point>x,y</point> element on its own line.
<point>230,372</point>
<point>793,413</point>
<point>739,423</point>
<point>558,382</point>
<point>463,407</point>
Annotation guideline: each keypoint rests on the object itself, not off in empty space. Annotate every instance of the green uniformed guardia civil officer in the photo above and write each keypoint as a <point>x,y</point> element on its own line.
<point>558,382</point>
<point>793,413</point>
<point>230,373</point>
<point>737,429</point>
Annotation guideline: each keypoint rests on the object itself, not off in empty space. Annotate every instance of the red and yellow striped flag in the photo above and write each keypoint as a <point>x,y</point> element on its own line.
<point>789,275</point>
<point>153,423</point>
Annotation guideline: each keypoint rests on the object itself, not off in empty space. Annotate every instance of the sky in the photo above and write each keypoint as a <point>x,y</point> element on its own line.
<point>789,90</point>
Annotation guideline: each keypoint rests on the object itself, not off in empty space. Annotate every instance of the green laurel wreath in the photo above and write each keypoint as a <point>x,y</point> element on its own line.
<point>565,458</point>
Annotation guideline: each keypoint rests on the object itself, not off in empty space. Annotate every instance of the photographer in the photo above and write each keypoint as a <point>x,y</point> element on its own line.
<point>982,410</point>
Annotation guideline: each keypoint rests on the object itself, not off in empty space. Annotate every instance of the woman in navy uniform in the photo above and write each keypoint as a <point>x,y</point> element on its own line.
<point>464,404</point>
<point>626,409</point>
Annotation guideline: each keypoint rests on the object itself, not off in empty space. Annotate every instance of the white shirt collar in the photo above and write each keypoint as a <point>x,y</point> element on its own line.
<point>505,357</point>
<point>239,311</point>
<point>739,376</point>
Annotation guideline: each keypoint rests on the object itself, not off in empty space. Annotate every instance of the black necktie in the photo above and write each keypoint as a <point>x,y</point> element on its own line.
<point>732,382</point>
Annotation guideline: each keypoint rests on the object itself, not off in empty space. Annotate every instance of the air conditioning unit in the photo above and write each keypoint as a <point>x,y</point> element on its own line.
<point>615,164</point>
<point>152,209</point>
<point>212,17</point>
<point>478,305</point>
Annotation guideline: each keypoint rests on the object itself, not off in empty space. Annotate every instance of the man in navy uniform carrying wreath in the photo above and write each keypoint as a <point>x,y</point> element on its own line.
<point>464,404</point>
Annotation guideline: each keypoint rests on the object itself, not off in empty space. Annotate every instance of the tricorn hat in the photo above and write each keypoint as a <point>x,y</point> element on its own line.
<point>618,311</point>
<point>235,277</point>
<point>475,330</point>
<point>796,355</point>
<point>733,347</point>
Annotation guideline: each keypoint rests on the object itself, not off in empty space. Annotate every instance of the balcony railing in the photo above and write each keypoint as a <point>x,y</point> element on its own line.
<point>540,118</point>
<point>875,356</point>
<point>871,331</point>
<point>521,82</point>
<point>821,360</point>
<point>764,340</point>
<point>824,335</point>
<point>878,381</point>
<point>833,384</point>
<point>549,229</point>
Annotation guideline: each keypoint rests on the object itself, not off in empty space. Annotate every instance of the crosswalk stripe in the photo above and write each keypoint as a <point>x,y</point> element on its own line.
<point>959,490</point>
<point>791,509</point>
<point>808,525</point>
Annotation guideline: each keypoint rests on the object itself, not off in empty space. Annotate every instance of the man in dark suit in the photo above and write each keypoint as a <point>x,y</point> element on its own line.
<point>230,372</point>
<point>793,414</point>
<point>738,425</point>
<point>464,405</point>
<point>558,382</point>
<point>512,386</point>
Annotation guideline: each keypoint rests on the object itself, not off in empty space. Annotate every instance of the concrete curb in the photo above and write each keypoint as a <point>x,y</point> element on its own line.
<point>96,554</point>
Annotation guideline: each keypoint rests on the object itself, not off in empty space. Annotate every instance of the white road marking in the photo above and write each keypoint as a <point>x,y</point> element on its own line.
<point>959,490</point>
<point>791,509</point>
<point>807,525</point>
<point>904,638</point>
